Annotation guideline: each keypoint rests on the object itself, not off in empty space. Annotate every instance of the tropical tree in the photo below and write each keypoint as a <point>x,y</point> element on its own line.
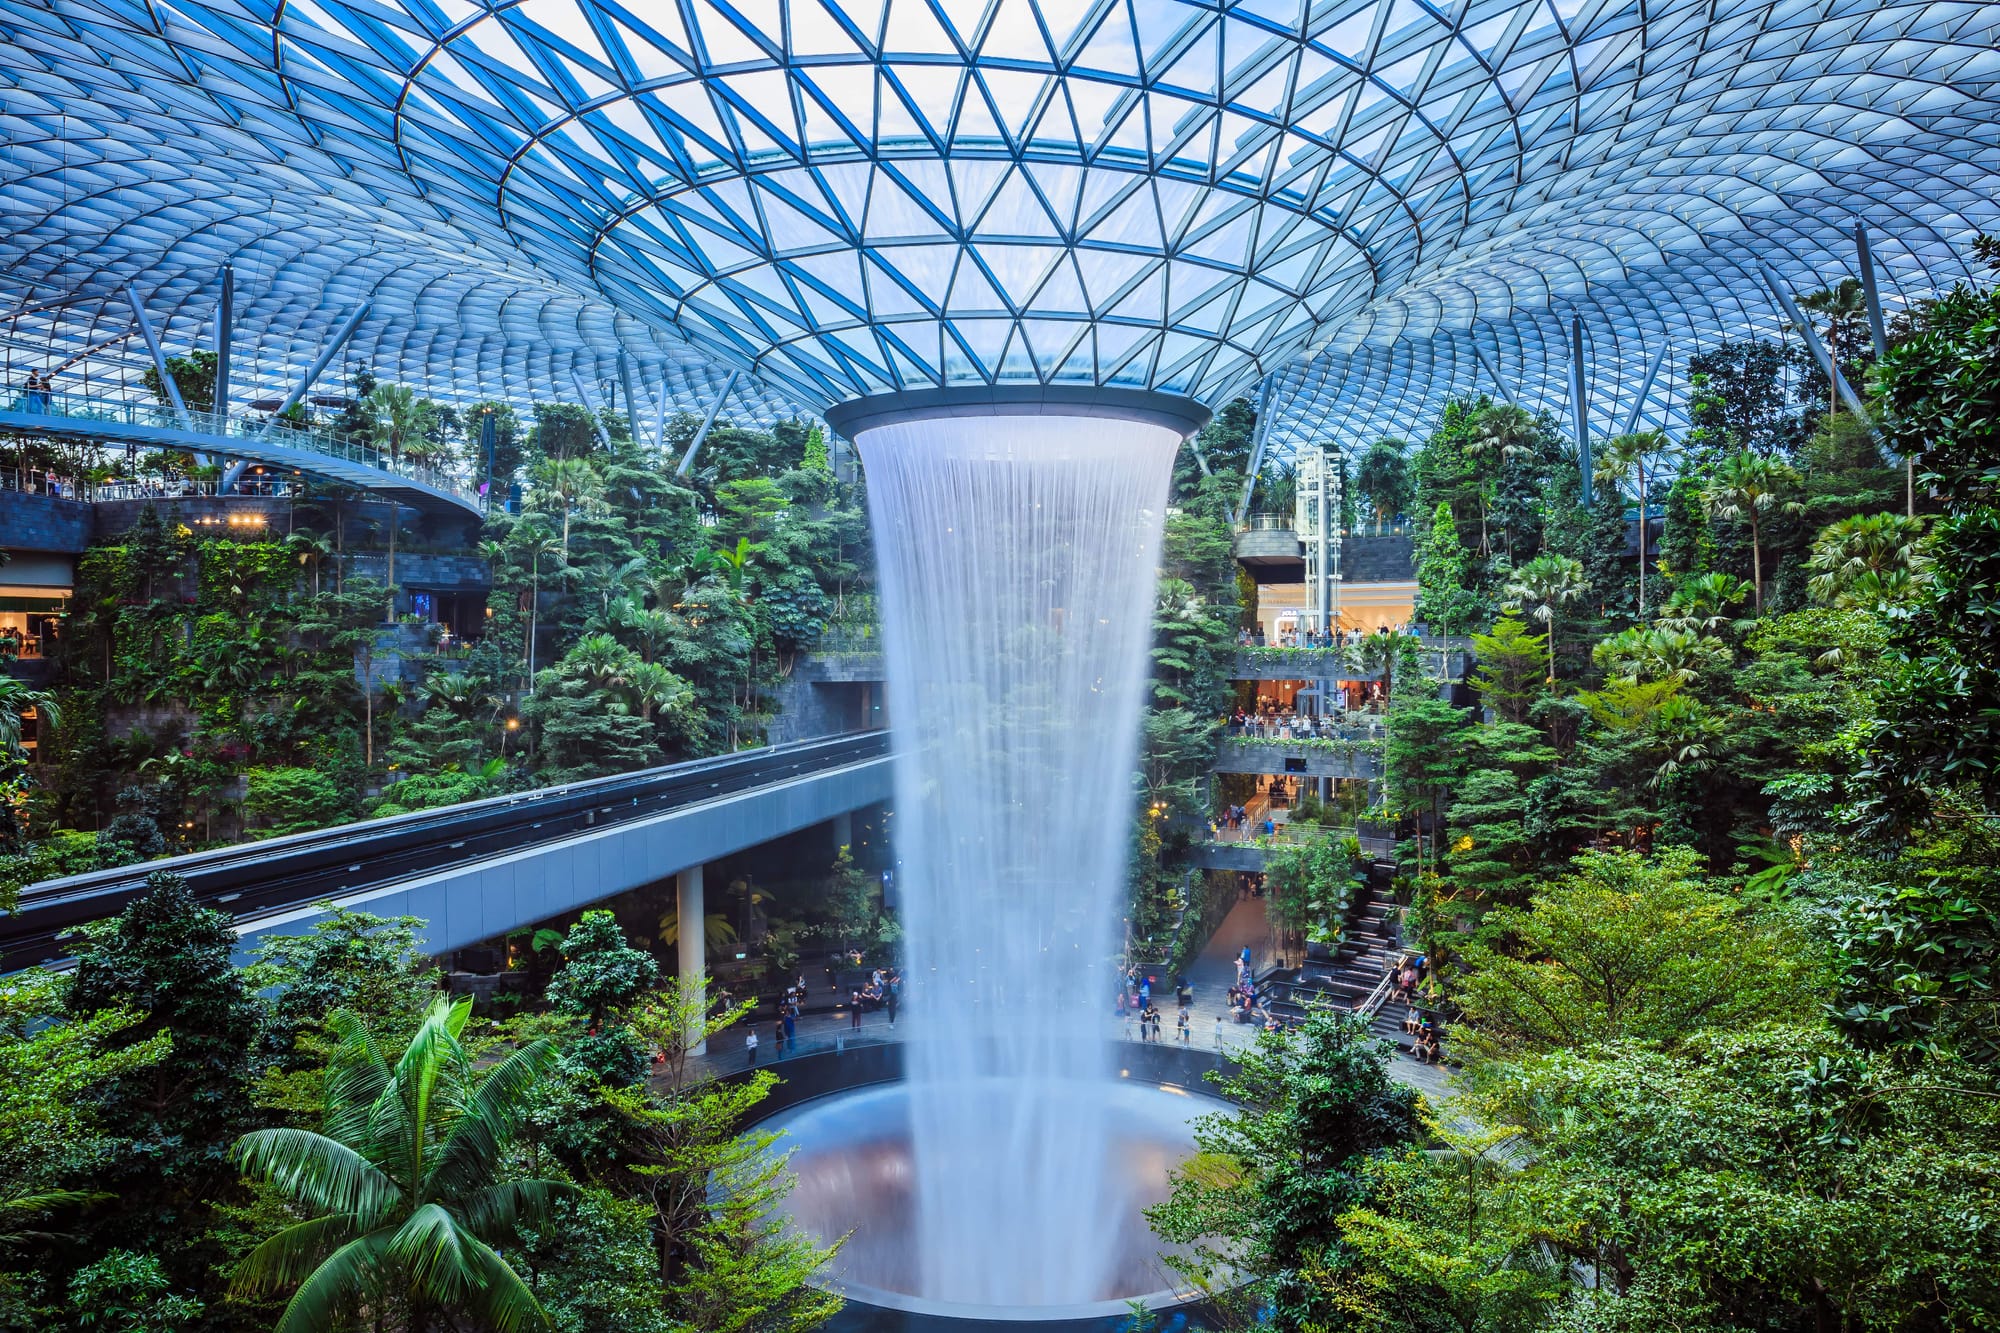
<point>16,702</point>
<point>1383,475</point>
<point>573,483</point>
<point>1500,432</point>
<point>1539,588</point>
<point>1845,307</point>
<point>396,418</point>
<point>1700,604</point>
<point>1884,545</point>
<point>312,550</point>
<point>1620,460</point>
<point>405,1185</point>
<point>1746,485</point>
<point>537,543</point>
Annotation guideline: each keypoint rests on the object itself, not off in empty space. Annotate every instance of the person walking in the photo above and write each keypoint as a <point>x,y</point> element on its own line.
<point>1183,1028</point>
<point>778,1042</point>
<point>750,1048</point>
<point>1218,1034</point>
<point>791,1027</point>
<point>889,1003</point>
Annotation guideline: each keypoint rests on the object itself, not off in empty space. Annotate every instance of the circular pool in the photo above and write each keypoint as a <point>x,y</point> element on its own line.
<point>856,1176</point>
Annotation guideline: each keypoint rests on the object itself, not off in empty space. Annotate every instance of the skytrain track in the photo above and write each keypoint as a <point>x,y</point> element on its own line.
<point>257,879</point>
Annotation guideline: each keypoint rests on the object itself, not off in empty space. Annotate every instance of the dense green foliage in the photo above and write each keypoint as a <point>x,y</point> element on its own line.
<point>1707,883</point>
<point>326,1141</point>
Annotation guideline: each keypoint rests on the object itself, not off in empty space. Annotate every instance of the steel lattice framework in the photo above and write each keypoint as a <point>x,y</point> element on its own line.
<point>1351,199</point>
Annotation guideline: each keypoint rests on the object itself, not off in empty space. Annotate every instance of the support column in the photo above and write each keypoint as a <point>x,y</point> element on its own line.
<point>843,830</point>
<point>692,915</point>
<point>225,330</point>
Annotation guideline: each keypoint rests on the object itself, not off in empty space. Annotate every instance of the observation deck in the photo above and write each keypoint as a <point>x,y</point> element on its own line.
<point>316,451</point>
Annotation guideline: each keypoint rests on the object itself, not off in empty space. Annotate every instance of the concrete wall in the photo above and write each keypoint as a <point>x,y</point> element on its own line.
<point>418,569</point>
<point>31,522</point>
<point>467,904</point>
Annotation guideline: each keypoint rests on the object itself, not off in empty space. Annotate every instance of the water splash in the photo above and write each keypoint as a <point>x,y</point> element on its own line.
<point>1017,558</point>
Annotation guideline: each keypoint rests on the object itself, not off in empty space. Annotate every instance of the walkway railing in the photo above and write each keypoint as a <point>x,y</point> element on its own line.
<point>74,410</point>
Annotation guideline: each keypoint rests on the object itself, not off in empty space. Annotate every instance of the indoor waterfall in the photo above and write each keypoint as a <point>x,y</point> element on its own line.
<point>1017,559</point>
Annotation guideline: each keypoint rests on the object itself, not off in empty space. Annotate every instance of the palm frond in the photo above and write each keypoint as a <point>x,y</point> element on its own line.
<point>291,1255</point>
<point>320,1172</point>
<point>489,1120</point>
<point>436,1253</point>
<point>348,1278</point>
<point>501,1298</point>
<point>417,1072</point>
<point>356,1075</point>
<point>496,1210</point>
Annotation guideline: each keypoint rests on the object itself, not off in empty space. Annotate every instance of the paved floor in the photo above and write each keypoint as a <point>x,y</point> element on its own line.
<point>1210,978</point>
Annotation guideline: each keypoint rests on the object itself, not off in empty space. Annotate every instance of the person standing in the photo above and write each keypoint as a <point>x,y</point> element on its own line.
<point>889,1002</point>
<point>750,1048</point>
<point>854,1019</point>
<point>792,1027</point>
<point>1183,1028</point>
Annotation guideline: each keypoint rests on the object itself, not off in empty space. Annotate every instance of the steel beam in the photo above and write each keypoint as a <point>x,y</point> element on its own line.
<point>159,358</point>
<point>225,325</point>
<point>687,459</point>
<point>1492,368</point>
<point>320,363</point>
<point>1257,446</point>
<point>1579,409</point>
<point>590,406</point>
<point>1876,326</point>
<point>660,414</point>
<point>1638,411</point>
<point>631,402</point>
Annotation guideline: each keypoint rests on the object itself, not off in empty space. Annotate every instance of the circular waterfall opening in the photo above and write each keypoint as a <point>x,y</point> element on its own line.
<point>853,1158</point>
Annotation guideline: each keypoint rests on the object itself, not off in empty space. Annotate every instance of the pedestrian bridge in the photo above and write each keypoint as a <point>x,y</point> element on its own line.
<point>479,870</point>
<point>318,451</point>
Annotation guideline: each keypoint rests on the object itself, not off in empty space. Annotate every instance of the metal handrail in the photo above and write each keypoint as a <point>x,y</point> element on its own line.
<point>1375,999</point>
<point>325,440</point>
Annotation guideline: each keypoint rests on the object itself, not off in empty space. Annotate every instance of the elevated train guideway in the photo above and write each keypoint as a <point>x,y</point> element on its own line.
<point>317,452</point>
<point>481,869</point>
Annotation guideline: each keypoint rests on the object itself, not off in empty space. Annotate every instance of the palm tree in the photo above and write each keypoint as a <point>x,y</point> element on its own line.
<point>538,542</point>
<point>312,548</point>
<point>396,417</point>
<point>1744,485</point>
<point>1885,545</point>
<point>1700,604</point>
<point>574,483</point>
<point>1846,309</point>
<point>1540,587</point>
<point>403,1186</point>
<point>1623,458</point>
<point>601,660</point>
<point>1501,432</point>
<point>1383,475</point>
<point>655,688</point>
<point>16,702</point>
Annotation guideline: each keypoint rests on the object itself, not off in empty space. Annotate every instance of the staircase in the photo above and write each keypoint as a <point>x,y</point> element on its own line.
<point>1349,974</point>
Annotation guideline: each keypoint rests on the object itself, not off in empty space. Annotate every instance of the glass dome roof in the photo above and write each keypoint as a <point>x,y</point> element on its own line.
<point>847,197</point>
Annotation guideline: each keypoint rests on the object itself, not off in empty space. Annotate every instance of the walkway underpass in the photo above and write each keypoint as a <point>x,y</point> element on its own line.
<point>479,870</point>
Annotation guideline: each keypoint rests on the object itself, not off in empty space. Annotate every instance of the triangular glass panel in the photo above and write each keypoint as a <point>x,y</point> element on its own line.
<point>972,293</point>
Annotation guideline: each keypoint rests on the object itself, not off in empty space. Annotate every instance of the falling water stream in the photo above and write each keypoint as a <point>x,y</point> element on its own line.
<point>1017,557</point>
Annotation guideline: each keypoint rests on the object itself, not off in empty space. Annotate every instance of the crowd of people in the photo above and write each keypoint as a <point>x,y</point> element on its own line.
<point>1135,1004</point>
<point>882,991</point>
<point>1273,723</point>
<point>1316,638</point>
